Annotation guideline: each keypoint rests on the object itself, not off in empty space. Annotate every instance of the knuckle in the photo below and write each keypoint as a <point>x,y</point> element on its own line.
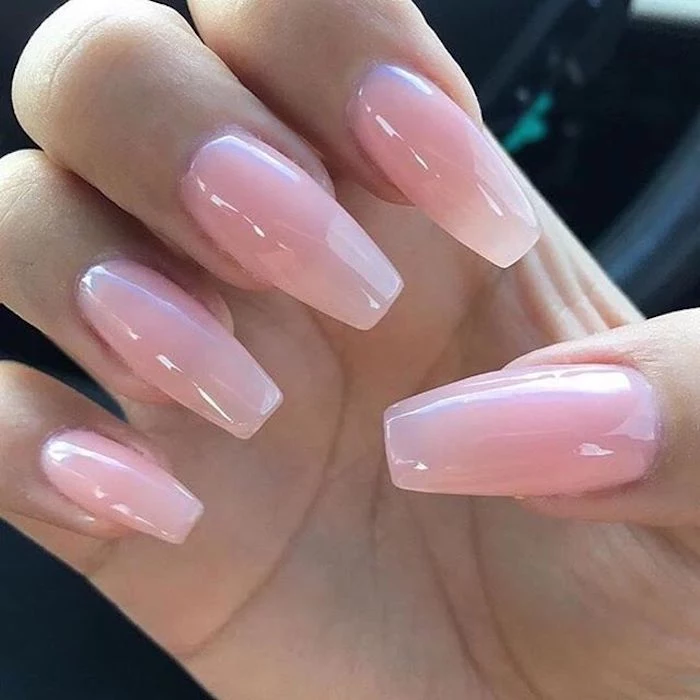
<point>233,28</point>
<point>20,173</point>
<point>395,17</point>
<point>25,178</point>
<point>77,46</point>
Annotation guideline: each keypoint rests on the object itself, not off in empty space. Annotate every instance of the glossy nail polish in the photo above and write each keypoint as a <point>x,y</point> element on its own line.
<point>283,227</point>
<point>171,341</point>
<point>117,483</point>
<point>443,162</point>
<point>538,431</point>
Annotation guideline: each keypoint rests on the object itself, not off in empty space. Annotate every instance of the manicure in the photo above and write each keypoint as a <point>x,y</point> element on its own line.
<point>443,162</point>
<point>282,226</point>
<point>542,431</point>
<point>173,342</point>
<point>119,484</point>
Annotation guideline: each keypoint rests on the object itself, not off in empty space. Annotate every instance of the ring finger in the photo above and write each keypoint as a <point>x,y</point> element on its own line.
<point>86,274</point>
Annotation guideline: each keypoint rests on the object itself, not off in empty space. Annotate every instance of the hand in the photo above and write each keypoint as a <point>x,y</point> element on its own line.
<point>162,212</point>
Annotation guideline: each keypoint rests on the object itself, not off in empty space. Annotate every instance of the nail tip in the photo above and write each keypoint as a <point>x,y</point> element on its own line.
<point>368,322</point>
<point>400,481</point>
<point>507,261</point>
<point>174,538</point>
<point>395,471</point>
<point>249,430</point>
<point>392,414</point>
<point>395,480</point>
<point>180,536</point>
<point>503,255</point>
<point>399,286</point>
<point>363,323</point>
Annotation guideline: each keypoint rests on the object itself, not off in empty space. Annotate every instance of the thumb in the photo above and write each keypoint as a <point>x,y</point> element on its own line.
<point>604,428</point>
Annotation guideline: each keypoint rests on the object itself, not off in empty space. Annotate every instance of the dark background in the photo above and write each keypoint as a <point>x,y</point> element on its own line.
<point>619,157</point>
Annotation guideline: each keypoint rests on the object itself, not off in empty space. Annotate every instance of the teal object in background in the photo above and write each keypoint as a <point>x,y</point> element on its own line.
<point>532,127</point>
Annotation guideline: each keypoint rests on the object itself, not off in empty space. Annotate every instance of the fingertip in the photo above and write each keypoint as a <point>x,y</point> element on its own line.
<point>113,482</point>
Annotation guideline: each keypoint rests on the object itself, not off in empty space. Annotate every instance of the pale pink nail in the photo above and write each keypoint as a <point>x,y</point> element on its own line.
<point>171,341</point>
<point>527,432</point>
<point>443,162</point>
<point>117,483</point>
<point>277,221</point>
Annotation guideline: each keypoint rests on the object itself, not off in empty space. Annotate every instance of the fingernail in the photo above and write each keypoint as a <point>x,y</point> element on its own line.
<point>442,161</point>
<point>171,341</point>
<point>117,483</point>
<point>282,226</point>
<point>542,431</point>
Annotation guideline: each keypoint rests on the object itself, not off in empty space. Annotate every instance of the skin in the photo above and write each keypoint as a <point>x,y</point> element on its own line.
<point>309,575</point>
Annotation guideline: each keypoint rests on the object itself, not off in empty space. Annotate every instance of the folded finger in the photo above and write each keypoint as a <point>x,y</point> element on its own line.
<point>130,99</point>
<point>378,93</point>
<point>66,462</point>
<point>76,267</point>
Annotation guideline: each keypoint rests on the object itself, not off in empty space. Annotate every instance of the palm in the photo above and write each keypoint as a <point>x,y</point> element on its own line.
<point>310,577</point>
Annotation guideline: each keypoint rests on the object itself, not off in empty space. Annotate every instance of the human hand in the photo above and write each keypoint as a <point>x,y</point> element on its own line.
<point>309,575</point>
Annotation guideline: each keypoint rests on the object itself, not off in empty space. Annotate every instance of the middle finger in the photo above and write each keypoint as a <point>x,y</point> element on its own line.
<point>136,105</point>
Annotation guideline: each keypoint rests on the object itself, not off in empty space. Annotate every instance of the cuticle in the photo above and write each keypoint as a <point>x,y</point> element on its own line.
<point>210,138</point>
<point>357,84</point>
<point>254,133</point>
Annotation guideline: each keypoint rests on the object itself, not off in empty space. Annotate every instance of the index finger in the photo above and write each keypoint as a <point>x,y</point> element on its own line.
<point>128,97</point>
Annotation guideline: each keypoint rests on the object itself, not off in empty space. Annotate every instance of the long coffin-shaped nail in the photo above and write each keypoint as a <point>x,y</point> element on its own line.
<point>119,484</point>
<point>540,431</point>
<point>282,226</point>
<point>171,341</point>
<point>444,163</point>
